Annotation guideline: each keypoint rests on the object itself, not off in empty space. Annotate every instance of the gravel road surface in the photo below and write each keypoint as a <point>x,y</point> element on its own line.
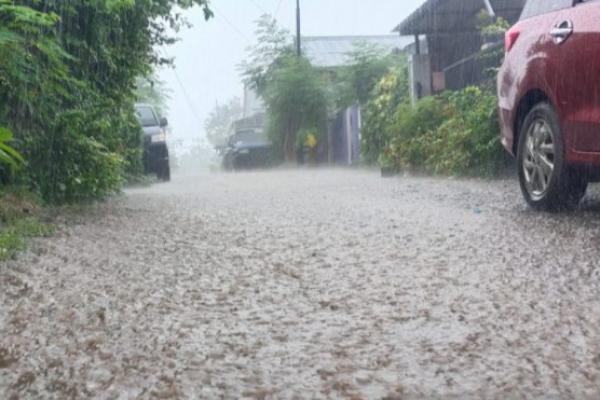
<point>307,284</point>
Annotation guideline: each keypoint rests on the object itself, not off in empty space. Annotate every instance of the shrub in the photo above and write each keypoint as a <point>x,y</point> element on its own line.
<point>19,221</point>
<point>468,142</point>
<point>9,157</point>
<point>388,94</point>
<point>452,134</point>
<point>75,164</point>
<point>296,100</point>
<point>67,88</point>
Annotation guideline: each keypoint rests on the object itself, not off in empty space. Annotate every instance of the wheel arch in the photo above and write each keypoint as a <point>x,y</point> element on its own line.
<point>532,98</point>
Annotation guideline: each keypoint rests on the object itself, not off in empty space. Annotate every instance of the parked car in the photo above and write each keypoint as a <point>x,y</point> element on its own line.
<point>247,149</point>
<point>156,151</point>
<point>549,98</point>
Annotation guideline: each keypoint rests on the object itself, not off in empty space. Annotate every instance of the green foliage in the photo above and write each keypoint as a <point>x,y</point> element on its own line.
<point>368,64</point>
<point>296,100</point>
<point>386,97</point>
<point>18,222</point>
<point>10,244</point>
<point>452,134</point>
<point>468,142</point>
<point>220,121</point>
<point>8,156</point>
<point>151,90</point>
<point>68,84</point>
<point>492,31</point>
<point>272,46</point>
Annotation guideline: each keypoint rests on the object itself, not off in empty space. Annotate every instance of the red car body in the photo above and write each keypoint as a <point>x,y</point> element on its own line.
<point>554,56</point>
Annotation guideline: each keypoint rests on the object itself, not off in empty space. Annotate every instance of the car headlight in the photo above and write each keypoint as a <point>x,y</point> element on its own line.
<point>160,138</point>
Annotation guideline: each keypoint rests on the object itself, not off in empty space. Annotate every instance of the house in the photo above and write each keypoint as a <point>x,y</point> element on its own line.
<point>448,42</point>
<point>330,54</point>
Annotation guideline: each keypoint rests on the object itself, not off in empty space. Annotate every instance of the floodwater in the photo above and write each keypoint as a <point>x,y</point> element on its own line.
<point>307,284</point>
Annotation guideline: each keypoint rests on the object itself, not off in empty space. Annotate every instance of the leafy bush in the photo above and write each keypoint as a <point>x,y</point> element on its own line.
<point>9,157</point>
<point>296,100</point>
<point>67,87</point>
<point>410,126</point>
<point>19,221</point>
<point>452,134</point>
<point>368,64</point>
<point>388,94</point>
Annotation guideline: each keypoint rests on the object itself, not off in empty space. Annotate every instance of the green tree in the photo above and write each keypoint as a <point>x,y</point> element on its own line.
<point>389,93</point>
<point>151,90</point>
<point>220,121</point>
<point>296,100</point>
<point>273,44</point>
<point>67,86</point>
<point>9,157</point>
<point>368,64</point>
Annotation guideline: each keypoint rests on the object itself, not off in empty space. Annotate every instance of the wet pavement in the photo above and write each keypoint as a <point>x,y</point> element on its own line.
<point>307,284</point>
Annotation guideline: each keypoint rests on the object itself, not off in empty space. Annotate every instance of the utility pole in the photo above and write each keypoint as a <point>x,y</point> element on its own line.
<point>298,30</point>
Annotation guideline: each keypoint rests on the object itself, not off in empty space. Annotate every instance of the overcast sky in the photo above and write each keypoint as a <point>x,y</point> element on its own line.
<point>207,55</point>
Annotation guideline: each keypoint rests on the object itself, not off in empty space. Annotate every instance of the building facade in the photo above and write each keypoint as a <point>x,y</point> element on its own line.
<point>451,60</point>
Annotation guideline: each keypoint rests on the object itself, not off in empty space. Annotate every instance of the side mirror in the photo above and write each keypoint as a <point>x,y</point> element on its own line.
<point>163,122</point>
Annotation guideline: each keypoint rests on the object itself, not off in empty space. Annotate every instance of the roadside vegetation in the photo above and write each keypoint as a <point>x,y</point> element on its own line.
<point>20,219</point>
<point>218,125</point>
<point>69,79</point>
<point>453,133</point>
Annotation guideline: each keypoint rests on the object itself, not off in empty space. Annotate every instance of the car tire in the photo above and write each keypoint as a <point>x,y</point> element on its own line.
<point>547,182</point>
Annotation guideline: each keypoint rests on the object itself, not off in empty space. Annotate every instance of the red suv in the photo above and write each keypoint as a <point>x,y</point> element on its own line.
<point>549,98</point>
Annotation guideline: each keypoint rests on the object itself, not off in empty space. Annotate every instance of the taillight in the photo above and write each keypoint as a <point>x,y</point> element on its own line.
<point>510,38</point>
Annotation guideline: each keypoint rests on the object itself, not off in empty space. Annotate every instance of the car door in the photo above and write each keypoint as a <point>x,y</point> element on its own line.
<point>576,32</point>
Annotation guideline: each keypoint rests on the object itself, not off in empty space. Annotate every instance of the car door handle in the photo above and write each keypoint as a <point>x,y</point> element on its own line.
<point>562,31</point>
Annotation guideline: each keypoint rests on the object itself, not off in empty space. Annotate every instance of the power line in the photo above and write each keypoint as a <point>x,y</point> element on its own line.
<point>261,8</point>
<point>187,97</point>
<point>231,24</point>
<point>277,9</point>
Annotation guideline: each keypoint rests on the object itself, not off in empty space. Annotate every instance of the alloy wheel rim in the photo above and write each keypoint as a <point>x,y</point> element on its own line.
<point>538,158</point>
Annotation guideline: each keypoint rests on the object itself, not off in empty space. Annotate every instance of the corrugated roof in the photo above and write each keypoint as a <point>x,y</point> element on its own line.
<point>332,51</point>
<point>452,16</point>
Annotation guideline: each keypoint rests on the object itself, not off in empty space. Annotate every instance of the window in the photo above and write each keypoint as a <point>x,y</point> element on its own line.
<point>146,116</point>
<point>538,7</point>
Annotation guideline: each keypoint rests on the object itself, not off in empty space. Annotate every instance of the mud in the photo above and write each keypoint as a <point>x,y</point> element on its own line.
<point>308,284</point>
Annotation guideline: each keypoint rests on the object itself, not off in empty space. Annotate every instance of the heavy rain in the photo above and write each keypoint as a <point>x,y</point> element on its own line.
<point>289,199</point>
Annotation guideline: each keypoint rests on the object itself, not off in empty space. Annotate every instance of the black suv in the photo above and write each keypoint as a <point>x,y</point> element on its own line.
<point>156,152</point>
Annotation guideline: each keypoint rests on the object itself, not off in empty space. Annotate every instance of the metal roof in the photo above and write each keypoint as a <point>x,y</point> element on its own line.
<point>333,51</point>
<point>452,16</point>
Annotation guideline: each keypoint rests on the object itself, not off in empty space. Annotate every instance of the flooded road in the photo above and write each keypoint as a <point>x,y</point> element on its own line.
<point>308,284</point>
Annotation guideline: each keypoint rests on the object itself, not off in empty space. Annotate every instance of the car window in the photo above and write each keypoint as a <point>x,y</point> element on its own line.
<point>538,7</point>
<point>146,116</point>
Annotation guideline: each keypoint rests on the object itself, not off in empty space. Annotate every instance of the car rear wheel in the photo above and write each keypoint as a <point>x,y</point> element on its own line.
<point>547,182</point>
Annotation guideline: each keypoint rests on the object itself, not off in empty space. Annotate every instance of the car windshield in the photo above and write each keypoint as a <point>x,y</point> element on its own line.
<point>146,116</point>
